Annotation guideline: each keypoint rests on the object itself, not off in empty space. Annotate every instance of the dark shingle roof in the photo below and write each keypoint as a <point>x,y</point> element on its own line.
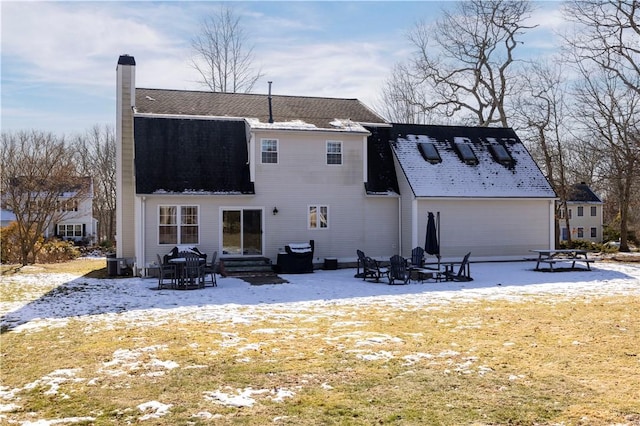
<point>317,111</point>
<point>582,193</point>
<point>191,156</point>
<point>453,177</point>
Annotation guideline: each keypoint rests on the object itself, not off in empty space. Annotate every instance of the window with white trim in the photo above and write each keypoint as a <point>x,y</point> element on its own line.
<point>580,232</point>
<point>70,230</point>
<point>594,232</point>
<point>334,152</point>
<point>178,225</point>
<point>269,151</point>
<point>68,205</point>
<point>593,211</point>
<point>580,211</point>
<point>318,217</point>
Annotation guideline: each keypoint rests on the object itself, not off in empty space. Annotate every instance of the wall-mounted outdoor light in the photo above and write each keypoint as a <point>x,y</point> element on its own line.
<point>275,211</point>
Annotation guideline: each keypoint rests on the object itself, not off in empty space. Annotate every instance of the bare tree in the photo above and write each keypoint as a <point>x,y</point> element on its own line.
<point>37,169</point>
<point>462,65</point>
<point>96,157</point>
<point>605,48</point>
<point>607,35</point>
<point>542,114</point>
<point>222,57</point>
<point>611,124</point>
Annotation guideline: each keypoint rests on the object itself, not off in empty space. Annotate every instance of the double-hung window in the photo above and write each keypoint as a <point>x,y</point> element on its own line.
<point>269,151</point>
<point>580,211</point>
<point>70,230</point>
<point>178,225</point>
<point>334,152</point>
<point>580,232</point>
<point>318,217</point>
<point>593,210</point>
<point>594,232</point>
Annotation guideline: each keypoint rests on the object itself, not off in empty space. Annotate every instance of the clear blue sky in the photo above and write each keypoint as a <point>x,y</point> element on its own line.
<point>59,58</point>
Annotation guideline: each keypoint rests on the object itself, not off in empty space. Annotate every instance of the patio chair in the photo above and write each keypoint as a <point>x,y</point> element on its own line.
<point>193,270</point>
<point>399,270</point>
<point>464,272</point>
<point>417,257</point>
<point>373,269</point>
<point>167,272</point>
<point>210,270</point>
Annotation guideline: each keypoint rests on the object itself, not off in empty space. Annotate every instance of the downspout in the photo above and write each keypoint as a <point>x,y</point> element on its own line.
<point>400,225</point>
<point>143,251</point>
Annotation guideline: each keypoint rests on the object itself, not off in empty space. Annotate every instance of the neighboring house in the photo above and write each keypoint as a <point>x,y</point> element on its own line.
<point>585,215</point>
<point>73,217</point>
<point>246,174</point>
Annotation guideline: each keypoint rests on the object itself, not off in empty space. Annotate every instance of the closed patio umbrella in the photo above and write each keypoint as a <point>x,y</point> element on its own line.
<point>431,239</point>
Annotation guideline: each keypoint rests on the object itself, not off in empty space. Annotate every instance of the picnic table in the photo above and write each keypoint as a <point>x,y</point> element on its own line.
<point>554,256</point>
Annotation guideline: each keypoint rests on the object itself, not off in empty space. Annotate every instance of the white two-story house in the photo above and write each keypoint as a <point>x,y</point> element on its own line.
<point>247,174</point>
<point>585,215</point>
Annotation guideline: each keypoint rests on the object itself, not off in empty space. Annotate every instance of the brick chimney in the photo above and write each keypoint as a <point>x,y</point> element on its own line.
<point>125,179</point>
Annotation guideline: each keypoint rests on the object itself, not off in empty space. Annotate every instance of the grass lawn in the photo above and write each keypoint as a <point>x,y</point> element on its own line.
<point>539,360</point>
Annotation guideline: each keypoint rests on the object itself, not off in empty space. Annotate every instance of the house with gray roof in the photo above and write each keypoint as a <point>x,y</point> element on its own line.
<point>248,174</point>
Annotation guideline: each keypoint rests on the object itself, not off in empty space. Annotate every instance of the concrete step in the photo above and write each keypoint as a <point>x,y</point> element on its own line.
<point>243,266</point>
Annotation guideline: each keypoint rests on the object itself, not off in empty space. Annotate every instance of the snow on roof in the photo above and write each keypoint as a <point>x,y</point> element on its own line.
<point>452,177</point>
<point>338,125</point>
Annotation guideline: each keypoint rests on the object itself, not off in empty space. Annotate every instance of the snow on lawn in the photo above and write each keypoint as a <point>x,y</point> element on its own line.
<point>137,299</point>
<point>50,300</point>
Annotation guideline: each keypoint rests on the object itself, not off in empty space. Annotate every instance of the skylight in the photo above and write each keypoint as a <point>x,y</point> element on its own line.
<point>465,152</point>
<point>500,154</point>
<point>429,152</point>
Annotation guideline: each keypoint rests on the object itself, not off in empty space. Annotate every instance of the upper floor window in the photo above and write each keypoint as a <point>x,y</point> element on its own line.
<point>593,210</point>
<point>580,211</point>
<point>178,225</point>
<point>269,151</point>
<point>68,205</point>
<point>318,217</point>
<point>334,152</point>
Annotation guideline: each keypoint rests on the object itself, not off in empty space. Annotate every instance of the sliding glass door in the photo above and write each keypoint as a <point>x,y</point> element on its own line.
<point>242,232</point>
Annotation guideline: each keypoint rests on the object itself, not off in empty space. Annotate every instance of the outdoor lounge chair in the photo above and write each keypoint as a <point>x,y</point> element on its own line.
<point>464,272</point>
<point>417,257</point>
<point>371,268</point>
<point>399,270</point>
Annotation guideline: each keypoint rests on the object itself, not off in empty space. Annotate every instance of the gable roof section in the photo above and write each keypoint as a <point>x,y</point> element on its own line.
<point>320,112</point>
<point>191,156</point>
<point>453,177</point>
<point>581,193</point>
